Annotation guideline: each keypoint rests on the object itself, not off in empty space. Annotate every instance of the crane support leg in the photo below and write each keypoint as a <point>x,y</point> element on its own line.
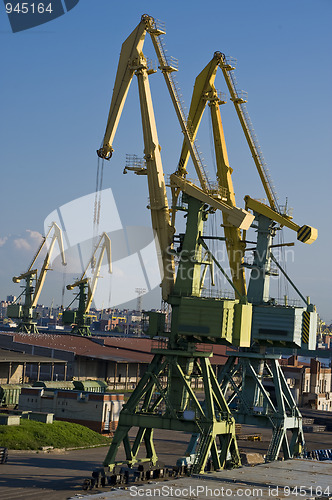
<point>259,374</point>
<point>159,403</point>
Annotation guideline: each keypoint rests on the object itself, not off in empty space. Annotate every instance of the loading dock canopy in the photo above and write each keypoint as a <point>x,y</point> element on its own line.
<point>12,358</point>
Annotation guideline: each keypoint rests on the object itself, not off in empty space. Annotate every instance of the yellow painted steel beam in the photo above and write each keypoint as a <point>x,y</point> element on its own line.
<point>77,283</point>
<point>17,279</point>
<point>203,85</point>
<point>160,214</point>
<point>104,243</point>
<point>57,236</point>
<point>235,216</point>
<point>130,54</point>
<point>166,70</point>
<point>132,61</point>
<point>205,92</point>
<point>234,244</point>
<point>226,68</point>
<point>306,234</point>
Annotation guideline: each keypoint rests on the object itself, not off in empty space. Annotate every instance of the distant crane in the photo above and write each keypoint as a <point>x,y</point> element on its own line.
<point>80,319</point>
<point>26,313</point>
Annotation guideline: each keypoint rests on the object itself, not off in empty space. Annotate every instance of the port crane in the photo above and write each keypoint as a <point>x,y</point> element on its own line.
<point>205,94</point>
<point>272,324</point>
<point>196,320</point>
<point>132,61</point>
<point>80,319</point>
<point>266,216</point>
<point>26,313</point>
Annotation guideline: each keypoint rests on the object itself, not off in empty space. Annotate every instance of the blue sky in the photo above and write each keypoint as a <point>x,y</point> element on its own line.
<point>57,82</point>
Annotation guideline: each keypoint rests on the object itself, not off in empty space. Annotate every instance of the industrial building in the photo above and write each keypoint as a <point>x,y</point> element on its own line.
<point>120,361</point>
<point>15,367</point>
<point>98,411</point>
<point>311,384</point>
<point>86,358</point>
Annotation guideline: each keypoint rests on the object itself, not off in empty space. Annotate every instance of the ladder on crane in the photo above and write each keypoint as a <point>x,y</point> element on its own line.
<point>168,66</point>
<point>275,444</point>
<point>239,98</point>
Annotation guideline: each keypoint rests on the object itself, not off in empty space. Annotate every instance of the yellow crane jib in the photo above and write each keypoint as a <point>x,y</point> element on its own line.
<point>305,234</point>
<point>205,95</point>
<point>133,62</point>
<point>57,236</point>
<point>235,216</point>
<point>103,244</point>
<point>77,283</point>
<point>131,52</point>
<point>17,279</point>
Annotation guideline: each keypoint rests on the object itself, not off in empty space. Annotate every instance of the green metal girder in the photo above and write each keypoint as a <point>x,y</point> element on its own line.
<point>174,424</point>
<point>206,424</point>
<point>182,363</point>
<point>277,416</point>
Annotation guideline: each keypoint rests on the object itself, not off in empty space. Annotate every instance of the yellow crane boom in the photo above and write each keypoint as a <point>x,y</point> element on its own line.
<point>132,61</point>
<point>80,320</point>
<point>205,93</point>
<point>305,234</point>
<point>239,103</point>
<point>57,236</point>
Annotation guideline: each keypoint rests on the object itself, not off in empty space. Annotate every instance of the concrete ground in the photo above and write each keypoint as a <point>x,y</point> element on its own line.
<point>58,475</point>
<point>277,480</point>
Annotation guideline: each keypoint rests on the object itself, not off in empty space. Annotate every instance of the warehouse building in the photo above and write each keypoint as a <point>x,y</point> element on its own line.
<point>96,410</point>
<point>86,358</point>
<point>16,366</point>
<point>120,361</point>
